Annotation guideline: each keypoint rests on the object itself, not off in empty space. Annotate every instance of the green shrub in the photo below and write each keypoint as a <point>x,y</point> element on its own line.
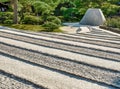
<point>109,9</point>
<point>52,23</point>
<point>40,21</point>
<point>9,15</point>
<point>50,26</point>
<point>61,18</point>
<point>54,19</point>
<point>8,22</point>
<point>113,22</point>
<point>5,16</point>
<point>34,20</point>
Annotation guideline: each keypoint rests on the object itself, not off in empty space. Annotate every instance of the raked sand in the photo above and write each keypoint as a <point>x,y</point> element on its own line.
<point>45,77</point>
<point>66,41</point>
<point>73,56</point>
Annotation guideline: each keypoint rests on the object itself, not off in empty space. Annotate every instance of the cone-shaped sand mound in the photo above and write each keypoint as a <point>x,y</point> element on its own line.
<point>93,17</point>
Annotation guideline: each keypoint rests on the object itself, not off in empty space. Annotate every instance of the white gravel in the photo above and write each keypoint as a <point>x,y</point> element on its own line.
<point>66,41</point>
<point>69,29</point>
<point>72,29</point>
<point>73,56</point>
<point>100,34</point>
<point>10,82</point>
<point>87,38</point>
<point>107,31</point>
<point>45,77</point>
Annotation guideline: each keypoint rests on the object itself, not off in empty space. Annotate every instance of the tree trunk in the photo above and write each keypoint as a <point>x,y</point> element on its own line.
<point>15,19</point>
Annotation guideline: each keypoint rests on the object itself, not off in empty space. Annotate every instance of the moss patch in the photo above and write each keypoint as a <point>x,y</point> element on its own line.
<point>35,28</point>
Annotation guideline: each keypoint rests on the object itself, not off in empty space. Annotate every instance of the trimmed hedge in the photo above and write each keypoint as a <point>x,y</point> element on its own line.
<point>8,22</point>
<point>54,19</point>
<point>50,26</point>
<point>6,17</point>
<point>113,22</point>
<point>34,20</point>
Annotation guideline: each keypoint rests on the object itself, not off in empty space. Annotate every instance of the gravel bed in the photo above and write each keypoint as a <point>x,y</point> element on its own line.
<point>98,36</point>
<point>113,40</point>
<point>100,43</point>
<point>46,77</point>
<point>116,38</point>
<point>93,30</point>
<point>96,31</point>
<point>111,37</point>
<point>9,81</point>
<point>83,37</point>
<point>95,74</point>
<point>69,38</point>
<point>116,30</point>
<point>101,33</point>
<point>82,50</point>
